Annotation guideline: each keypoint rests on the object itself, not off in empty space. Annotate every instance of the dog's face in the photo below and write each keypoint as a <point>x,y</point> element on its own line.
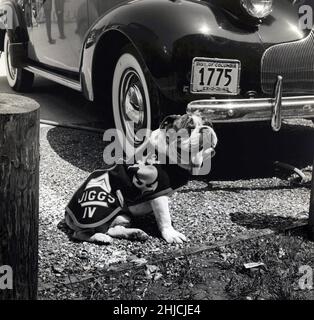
<point>186,140</point>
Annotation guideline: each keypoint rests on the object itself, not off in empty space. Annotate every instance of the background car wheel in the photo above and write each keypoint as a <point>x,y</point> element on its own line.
<point>135,101</point>
<point>19,79</point>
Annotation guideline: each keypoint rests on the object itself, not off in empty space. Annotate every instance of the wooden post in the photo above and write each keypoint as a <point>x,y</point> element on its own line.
<point>19,196</point>
<point>311,216</point>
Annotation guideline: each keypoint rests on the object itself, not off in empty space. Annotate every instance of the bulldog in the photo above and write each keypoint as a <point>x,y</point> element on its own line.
<point>103,206</point>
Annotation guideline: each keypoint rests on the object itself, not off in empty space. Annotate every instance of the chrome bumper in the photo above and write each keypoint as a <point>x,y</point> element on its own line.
<point>245,110</point>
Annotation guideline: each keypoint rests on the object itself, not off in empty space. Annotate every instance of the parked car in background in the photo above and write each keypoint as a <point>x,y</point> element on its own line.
<point>230,60</point>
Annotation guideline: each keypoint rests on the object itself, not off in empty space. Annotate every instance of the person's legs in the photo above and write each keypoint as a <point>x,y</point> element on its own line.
<point>59,4</point>
<point>47,9</point>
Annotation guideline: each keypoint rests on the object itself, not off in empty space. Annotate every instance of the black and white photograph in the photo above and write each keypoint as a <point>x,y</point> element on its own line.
<point>156,151</point>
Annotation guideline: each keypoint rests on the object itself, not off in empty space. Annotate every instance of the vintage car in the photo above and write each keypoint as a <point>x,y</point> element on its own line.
<point>230,60</point>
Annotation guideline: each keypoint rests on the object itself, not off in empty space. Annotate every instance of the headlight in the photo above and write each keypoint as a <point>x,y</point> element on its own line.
<point>258,8</point>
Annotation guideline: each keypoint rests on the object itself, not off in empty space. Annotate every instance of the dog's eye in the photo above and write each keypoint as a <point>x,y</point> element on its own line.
<point>138,181</point>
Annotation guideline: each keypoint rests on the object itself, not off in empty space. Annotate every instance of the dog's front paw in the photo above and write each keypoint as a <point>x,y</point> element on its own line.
<point>173,236</point>
<point>101,238</point>
<point>139,235</point>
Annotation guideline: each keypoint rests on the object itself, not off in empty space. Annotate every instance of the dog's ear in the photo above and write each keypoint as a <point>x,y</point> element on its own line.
<point>185,122</point>
<point>205,122</point>
<point>168,122</point>
<point>208,123</point>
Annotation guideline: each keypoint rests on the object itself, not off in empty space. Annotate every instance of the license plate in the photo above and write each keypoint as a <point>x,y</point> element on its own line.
<point>215,76</point>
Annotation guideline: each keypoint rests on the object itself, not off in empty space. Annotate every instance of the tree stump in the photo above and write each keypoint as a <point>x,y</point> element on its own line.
<point>311,216</point>
<point>19,197</point>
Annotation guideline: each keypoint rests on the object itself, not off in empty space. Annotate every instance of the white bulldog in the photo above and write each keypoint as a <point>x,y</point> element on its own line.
<point>103,207</point>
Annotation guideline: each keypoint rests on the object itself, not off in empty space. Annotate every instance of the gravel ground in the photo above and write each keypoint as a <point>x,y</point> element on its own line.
<point>217,274</point>
<point>242,197</point>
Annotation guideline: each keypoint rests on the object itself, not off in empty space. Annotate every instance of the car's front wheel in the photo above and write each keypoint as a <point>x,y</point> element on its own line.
<point>135,101</point>
<point>19,80</point>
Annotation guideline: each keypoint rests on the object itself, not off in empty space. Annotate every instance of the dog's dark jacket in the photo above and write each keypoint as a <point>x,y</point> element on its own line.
<point>108,192</point>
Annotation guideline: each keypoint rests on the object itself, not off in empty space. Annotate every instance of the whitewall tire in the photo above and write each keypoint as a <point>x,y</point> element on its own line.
<point>18,79</point>
<point>133,101</point>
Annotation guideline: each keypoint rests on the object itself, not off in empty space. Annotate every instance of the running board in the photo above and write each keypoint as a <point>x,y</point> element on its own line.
<point>75,85</point>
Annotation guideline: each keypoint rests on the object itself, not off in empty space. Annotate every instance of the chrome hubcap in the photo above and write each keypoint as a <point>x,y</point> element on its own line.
<point>132,105</point>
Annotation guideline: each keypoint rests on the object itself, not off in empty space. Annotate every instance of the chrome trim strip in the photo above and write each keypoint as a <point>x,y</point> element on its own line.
<point>248,110</point>
<point>75,85</point>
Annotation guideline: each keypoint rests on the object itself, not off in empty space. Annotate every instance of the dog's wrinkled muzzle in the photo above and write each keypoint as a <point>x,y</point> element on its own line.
<point>190,147</point>
<point>209,135</point>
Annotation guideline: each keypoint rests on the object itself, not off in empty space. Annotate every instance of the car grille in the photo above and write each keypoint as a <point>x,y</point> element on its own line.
<point>294,61</point>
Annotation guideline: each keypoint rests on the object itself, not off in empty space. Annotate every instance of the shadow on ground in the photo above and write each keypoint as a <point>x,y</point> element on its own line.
<point>81,149</point>
<point>245,151</point>
<point>249,150</point>
<point>261,221</point>
<point>293,227</point>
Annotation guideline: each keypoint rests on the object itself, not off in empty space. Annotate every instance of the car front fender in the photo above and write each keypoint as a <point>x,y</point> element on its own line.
<point>12,20</point>
<point>168,34</point>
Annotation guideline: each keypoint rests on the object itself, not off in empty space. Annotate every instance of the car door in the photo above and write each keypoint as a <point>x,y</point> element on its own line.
<point>56,32</point>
